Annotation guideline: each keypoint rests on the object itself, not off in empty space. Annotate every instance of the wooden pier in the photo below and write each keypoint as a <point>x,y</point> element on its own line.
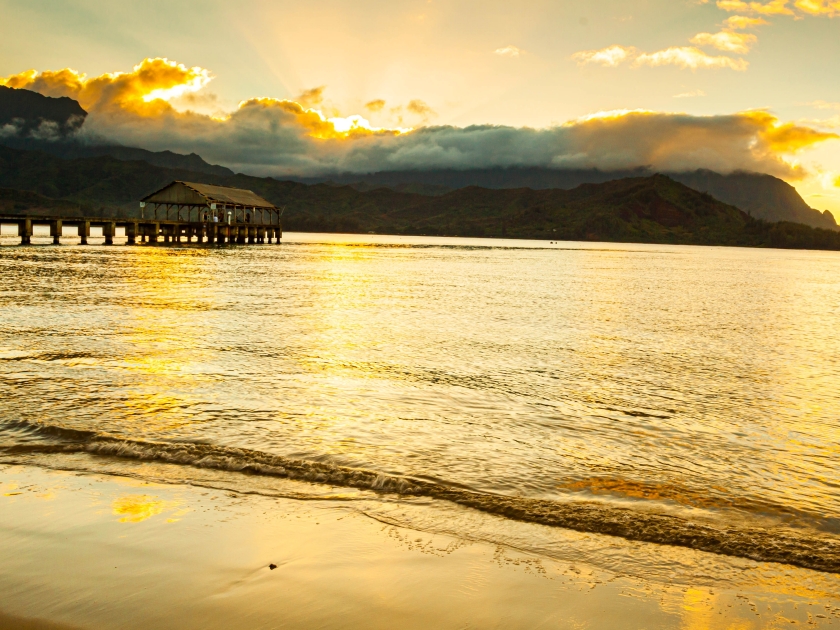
<point>146,231</point>
<point>181,210</point>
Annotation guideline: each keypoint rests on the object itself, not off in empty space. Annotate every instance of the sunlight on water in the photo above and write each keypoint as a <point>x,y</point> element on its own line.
<point>697,382</point>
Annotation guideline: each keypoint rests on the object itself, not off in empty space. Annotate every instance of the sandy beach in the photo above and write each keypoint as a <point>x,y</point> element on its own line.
<point>86,550</point>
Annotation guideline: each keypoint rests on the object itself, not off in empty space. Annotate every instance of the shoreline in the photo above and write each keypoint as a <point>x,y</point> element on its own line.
<point>364,238</point>
<point>92,550</point>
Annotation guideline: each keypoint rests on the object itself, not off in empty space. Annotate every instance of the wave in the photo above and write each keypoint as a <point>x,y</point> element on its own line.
<point>772,544</point>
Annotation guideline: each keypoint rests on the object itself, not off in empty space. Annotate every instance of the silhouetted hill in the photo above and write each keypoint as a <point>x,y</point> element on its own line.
<point>18,201</point>
<point>71,149</point>
<point>50,125</point>
<point>762,196</point>
<point>23,112</point>
<point>654,209</point>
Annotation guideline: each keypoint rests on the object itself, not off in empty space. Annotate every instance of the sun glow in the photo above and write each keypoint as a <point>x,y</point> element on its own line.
<point>200,79</point>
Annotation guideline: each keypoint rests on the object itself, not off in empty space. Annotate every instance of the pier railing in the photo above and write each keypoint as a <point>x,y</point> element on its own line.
<point>148,230</point>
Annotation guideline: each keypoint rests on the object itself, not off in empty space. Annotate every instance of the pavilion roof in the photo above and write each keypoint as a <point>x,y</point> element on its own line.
<point>190,193</point>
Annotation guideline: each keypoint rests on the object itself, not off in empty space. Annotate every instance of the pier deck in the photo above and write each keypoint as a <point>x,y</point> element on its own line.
<point>149,230</point>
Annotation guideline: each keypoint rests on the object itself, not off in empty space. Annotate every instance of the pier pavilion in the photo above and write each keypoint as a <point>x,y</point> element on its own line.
<point>212,214</point>
<point>220,213</point>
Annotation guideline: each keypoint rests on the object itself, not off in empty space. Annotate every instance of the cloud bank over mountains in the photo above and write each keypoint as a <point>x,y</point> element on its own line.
<point>267,136</point>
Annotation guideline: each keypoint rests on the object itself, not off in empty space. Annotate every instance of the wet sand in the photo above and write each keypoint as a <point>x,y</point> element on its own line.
<point>84,550</point>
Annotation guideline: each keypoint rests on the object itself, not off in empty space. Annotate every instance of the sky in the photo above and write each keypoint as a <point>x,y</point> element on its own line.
<point>279,87</point>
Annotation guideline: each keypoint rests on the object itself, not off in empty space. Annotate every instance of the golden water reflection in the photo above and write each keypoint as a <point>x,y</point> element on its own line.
<point>136,508</point>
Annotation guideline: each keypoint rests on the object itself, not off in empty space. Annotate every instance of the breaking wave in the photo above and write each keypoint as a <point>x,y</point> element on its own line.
<point>772,544</point>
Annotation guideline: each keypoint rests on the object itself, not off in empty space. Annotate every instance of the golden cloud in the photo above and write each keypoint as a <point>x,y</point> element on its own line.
<point>726,40</point>
<point>740,22</point>
<point>316,124</point>
<point>830,8</point>
<point>610,57</point>
<point>420,108</point>
<point>508,51</point>
<point>774,7</point>
<point>152,83</point>
<point>268,136</point>
<point>786,138</point>
<point>312,97</point>
<point>376,105</point>
<point>689,57</point>
<point>144,90</point>
<point>680,56</point>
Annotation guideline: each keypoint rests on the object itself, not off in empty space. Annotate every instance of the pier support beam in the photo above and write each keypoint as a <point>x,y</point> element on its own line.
<point>252,235</point>
<point>154,231</point>
<point>131,233</point>
<point>25,232</point>
<point>55,231</point>
<point>84,232</point>
<point>108,231</point>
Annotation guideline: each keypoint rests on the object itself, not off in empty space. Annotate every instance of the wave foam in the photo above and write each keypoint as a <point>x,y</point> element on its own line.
<point>810,551</point>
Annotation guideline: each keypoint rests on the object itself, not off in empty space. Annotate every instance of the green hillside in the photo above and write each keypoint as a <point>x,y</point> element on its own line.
<point>653,209</point>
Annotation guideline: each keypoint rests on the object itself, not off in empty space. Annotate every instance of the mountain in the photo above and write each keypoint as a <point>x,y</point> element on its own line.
<point>72,148</point>
<point>652,209</point>
<point>32,122</point>
<point>763,196</point>
<point>23,112</point>
<point>17,201</point>
<point>42,123</point>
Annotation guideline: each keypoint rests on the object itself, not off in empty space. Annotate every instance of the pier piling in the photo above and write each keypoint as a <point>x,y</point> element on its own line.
<point>55,231</point>
<point>211,232</point>
<point>25,231</point>
<point>108,231</point>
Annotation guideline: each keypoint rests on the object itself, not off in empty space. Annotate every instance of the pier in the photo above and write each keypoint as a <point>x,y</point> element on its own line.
<point>181,212</point>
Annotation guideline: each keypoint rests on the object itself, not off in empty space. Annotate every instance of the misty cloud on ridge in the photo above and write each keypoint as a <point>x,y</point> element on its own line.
<point>282,137</point>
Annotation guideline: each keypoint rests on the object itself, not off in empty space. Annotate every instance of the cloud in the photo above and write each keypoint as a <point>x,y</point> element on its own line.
<point>686,57</point>
<point>420,108</point>
<point>508,51</point>
<point>150,84</point>
<point>312,97</point>
<point>740,22</point>
<point>774,7</point>
<point>267,136</point>
<point>726,40</point>
<point>609,57</point>
<point>831,8</point>
<point>689,57</point>
<point>693,94</point>
<point>375,106</point>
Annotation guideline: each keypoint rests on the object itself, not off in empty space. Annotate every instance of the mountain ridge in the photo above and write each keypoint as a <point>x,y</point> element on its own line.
<point>33,122</point>
<point>764,196</point>
<point>654,209</point>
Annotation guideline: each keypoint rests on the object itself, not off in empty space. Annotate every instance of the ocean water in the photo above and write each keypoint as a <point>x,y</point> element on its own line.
<point>683,396</point>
